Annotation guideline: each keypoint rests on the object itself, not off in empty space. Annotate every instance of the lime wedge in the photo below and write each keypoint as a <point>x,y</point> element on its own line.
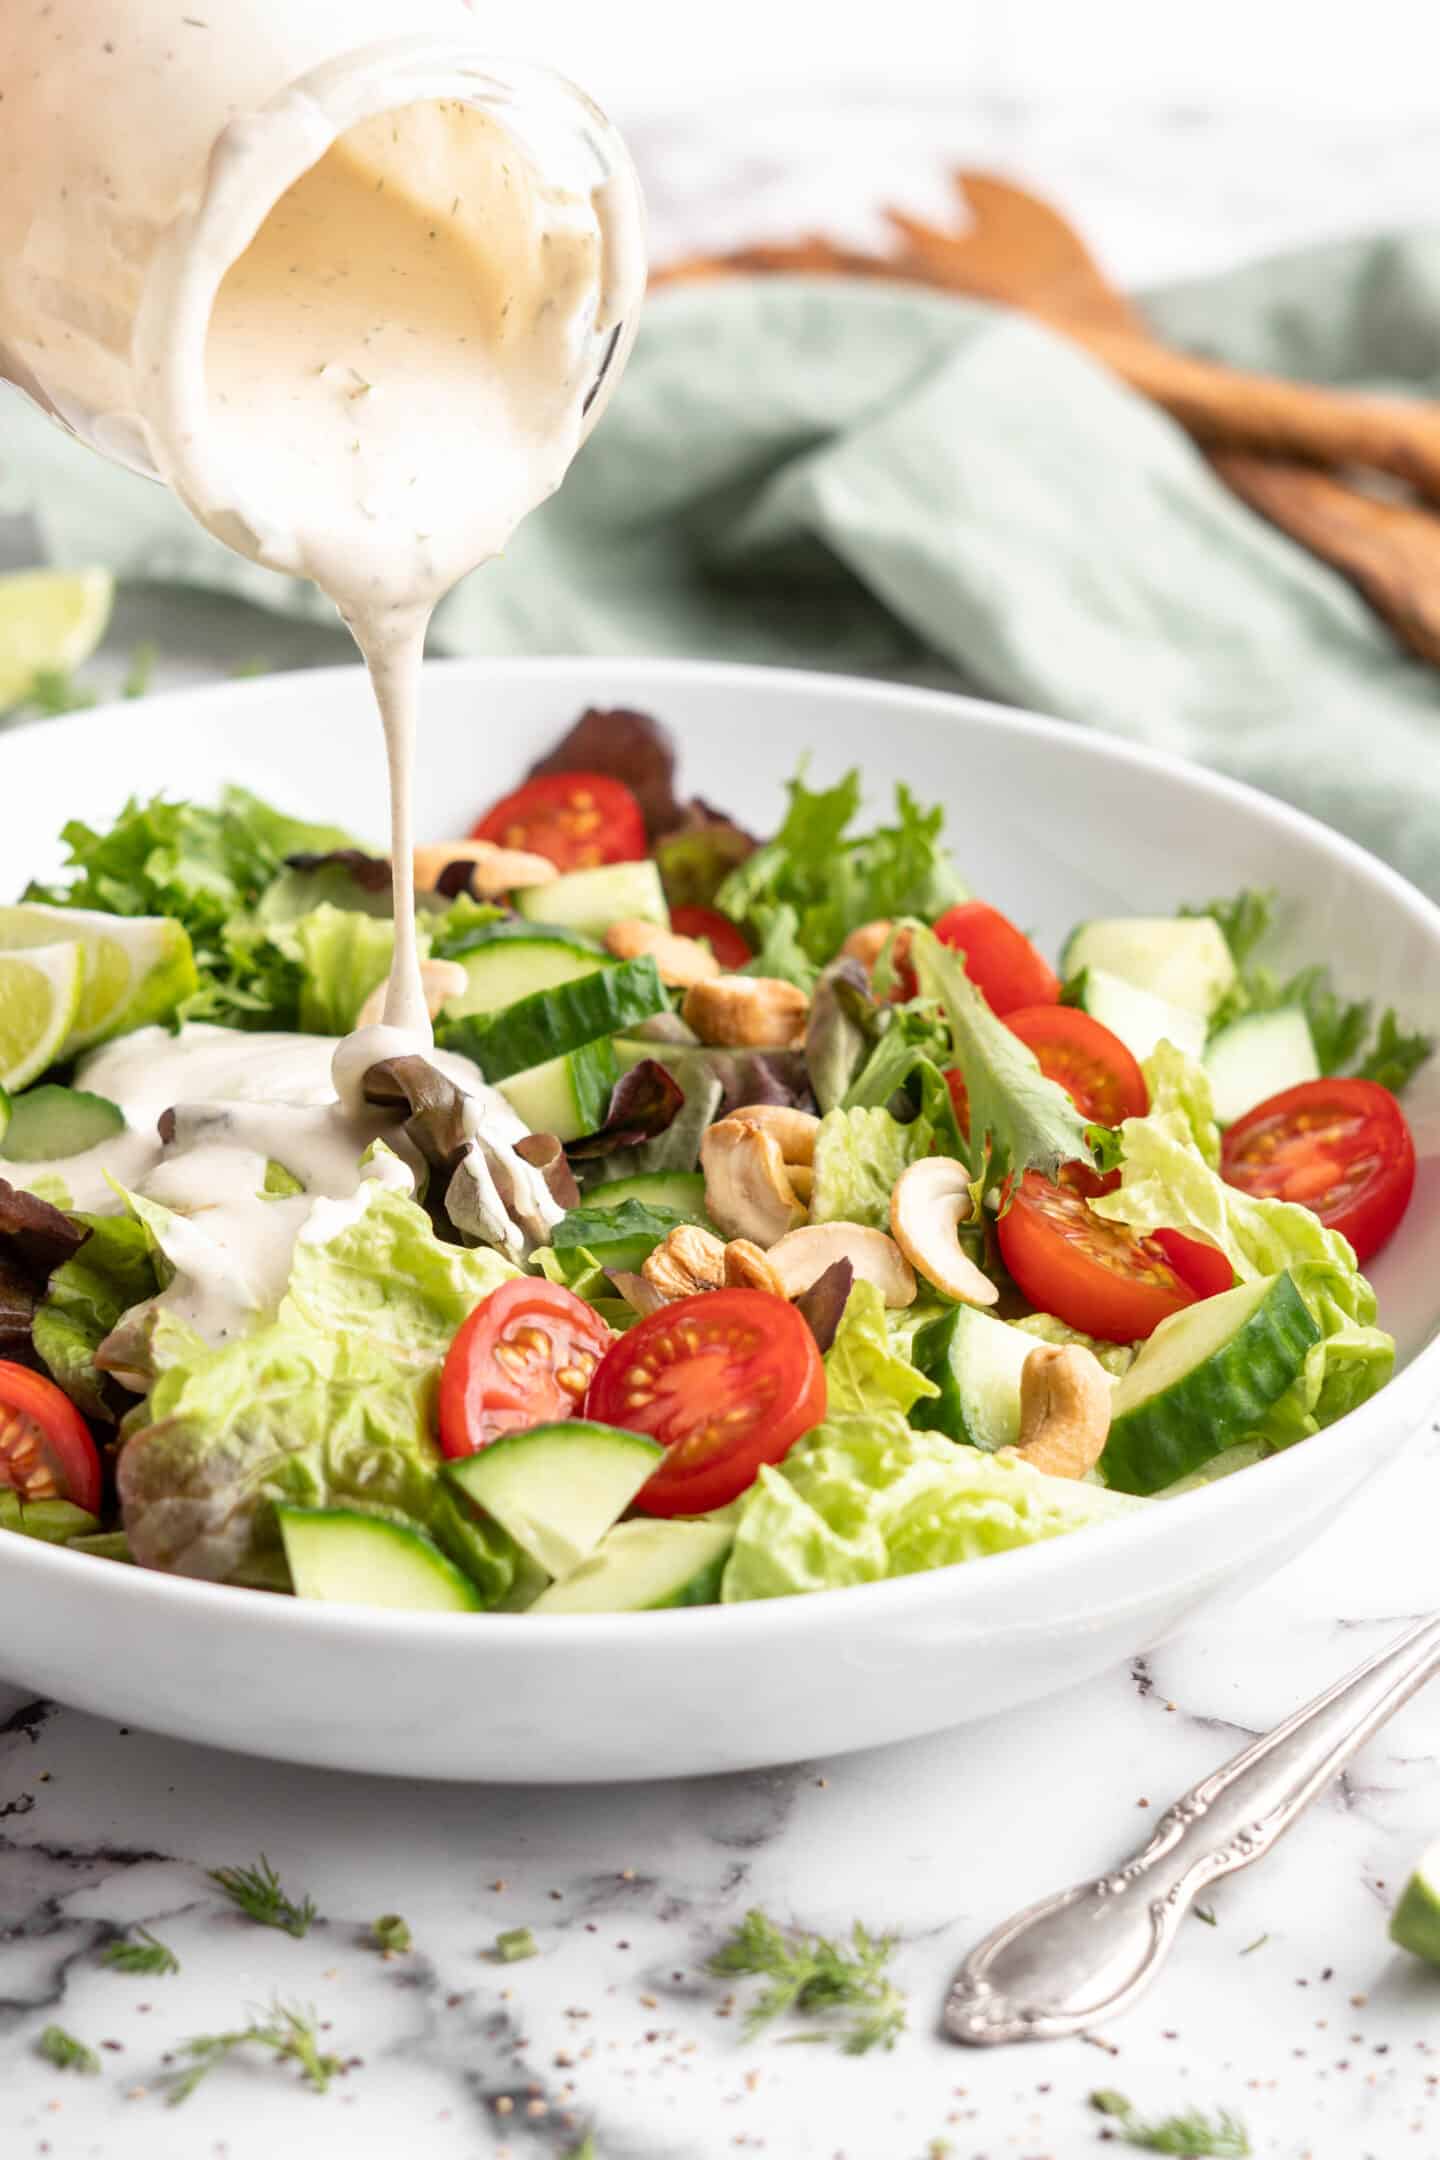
<point>1415,1922</point>
<point>49,619</point>
<point>137,967</point>
<point>39,993</point>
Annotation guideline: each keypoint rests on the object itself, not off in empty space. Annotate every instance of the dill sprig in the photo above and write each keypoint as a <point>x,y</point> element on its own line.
<point>141,1952</point>
<point>258,1893</point>
<point>288,2030</point>
<point>66,2052</point>
<point>809,1973</point>
<point>1191,2136</point>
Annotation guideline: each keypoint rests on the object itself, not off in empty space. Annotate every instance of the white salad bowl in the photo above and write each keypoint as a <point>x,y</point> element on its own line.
<point>1051,822</point>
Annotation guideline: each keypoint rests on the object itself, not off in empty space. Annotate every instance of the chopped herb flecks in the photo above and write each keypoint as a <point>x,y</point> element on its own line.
<point>289,2032</point>
<point>512,1944</point>
<point>66,2052</point>
<point>391,1934</point>
<point>140,1953</point>
<point>1192,2136</point>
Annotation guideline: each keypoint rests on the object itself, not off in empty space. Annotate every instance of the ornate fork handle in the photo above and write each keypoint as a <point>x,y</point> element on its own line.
<point>1062,1965</point>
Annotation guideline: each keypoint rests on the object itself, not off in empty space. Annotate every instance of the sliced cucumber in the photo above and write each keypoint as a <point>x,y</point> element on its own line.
<point>53,1522</point>
<point>48,1123</point>
<point>1138,1017</point>
<point>1258,1055</point>
<point>558,1488</point>
<point>682,1191</point>
<point>549,1023</point>
<point>104,1545</point>
<point>503,970</point>
<point>1183,959</point>
<point>590,900</point>
<point>342,1557</point>
<point>976,1363</point>
<point>567,1096</point>
<point>642,1565</point>
<point>1204,1379</point>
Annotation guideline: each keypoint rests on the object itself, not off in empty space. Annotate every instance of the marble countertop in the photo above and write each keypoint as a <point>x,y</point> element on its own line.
<point>1292,2010</point>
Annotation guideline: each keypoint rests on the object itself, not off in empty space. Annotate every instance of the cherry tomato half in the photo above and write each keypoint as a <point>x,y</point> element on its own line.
<point>1342,1148</point>
<point>726,942</point>
<point>577,819</point>
<point>725,1382</point>
<point>999,959</point>
<point>1093,1066</point>
<point>1207,1271</point>
<point>46,1452</point>
<point>1096,1275</point>
<point>524,1357</point>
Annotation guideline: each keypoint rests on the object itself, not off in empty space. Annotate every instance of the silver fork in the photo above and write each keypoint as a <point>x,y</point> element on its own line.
<point>1061,1966</point>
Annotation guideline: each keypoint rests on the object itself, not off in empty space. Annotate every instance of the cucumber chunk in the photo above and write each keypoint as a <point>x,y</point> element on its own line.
<point>590,900</point>
<point>558,1488</point>
<point>1204,1379</point>
<point>503,970</point>
<point>642,1565</point>
<point>568,1095</point>
<point>53,1522</point>
<point>1415,1922</point>
<point>1138,1017</point>
<point>342,1557</point>
<point>1258,1055</point>
<point>48,1123</point>
<point>682,1191</point>
<point>976,1363</point>
<point>549,1023</point>
<point>1183,959</point>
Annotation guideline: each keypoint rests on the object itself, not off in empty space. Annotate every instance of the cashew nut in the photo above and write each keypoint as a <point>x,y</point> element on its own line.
<point>642,1296</point>
<point>687,1261</point>
<point>493,869</point>
<point>747,1012</point>
<point>681,961</point>
<point>1065,1398</point>
<point>868,942</point>
<point>747,1268</point>
<point>794,1129</point>
<point>802,1257</point>
<point>441,979</point>
<point>748,1193</point>
<point>930,1201</point>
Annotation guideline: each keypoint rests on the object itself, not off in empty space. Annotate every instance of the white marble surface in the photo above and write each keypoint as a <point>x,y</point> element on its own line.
<point>1292,2010</point>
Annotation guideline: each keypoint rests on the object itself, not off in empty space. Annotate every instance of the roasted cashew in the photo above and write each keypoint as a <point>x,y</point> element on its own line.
<point>868,942</point>
<point>687,1261</point>
<point>1065,1397</point>
<point>794,1129</point>
<point>802,1257</point>
<point>493,869</point>
<point>440,979</point>
<point>748,1193</point>
<point>747,1268</point>
<point>930,1201</point>
<point>682,961</point>
<point>747,1012</point>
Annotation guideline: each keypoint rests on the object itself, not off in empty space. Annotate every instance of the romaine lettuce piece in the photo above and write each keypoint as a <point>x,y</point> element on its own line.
<point>866,1368</point>
<point>866,1497</point>
<point>344,955</point>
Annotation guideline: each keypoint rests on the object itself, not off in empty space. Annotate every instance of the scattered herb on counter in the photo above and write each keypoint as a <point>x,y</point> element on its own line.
<point>392,1935</point>
<point>1205,1913</point>
<point>810,1973</point>
<point>140,1952</point>
<point>1192,2136</point>
<point>1258,1944</point>
<point>258,1893</point>
<point>141,668</point>
<point>512,1944</point>
<point>288,2030</point>
<point>66,2052</point>
<point>585,2150</point>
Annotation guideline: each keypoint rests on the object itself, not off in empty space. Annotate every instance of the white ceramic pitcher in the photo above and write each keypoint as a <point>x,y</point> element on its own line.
<point>144,142</point>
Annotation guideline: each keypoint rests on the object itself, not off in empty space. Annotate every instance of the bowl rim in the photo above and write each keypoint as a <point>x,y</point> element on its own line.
<point>1417,1385</point>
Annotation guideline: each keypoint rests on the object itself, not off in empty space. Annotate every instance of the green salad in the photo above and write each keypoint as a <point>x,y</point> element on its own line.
<point>769,1215</point>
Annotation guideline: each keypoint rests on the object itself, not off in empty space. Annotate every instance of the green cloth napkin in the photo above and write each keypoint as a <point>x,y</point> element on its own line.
<point>882,480</point>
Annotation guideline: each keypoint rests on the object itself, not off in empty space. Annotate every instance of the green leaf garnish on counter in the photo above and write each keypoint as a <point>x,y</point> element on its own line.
<point>512,1944</point>
<point>392,1935</point>
<point>1192,2136</point>
<point>288,2030</point>
<point>140,1952</point>
<point>258,1894</point>
<point>66,2052</point>
<point>810,1974</point>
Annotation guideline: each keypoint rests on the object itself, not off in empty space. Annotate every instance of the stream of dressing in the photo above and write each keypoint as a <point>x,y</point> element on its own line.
<point>397,374</point>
